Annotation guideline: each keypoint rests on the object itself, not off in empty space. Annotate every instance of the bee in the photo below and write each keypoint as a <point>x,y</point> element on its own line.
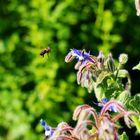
<point>45,51</point>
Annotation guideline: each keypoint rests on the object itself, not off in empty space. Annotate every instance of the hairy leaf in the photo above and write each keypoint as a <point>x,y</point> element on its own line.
<point>137,67</point>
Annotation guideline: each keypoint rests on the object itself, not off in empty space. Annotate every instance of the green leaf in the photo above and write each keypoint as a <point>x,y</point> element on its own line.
<point>124,136</point>
<point>136,120</point>
<point>123,73</point>
<point>134,103</point>
<point>99,92</point>
<point>137,67</point>
<point>102,76</point>
<point>123,97</point>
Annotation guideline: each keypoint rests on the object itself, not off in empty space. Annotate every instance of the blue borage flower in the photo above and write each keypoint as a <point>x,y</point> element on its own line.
<point>80,55</point>
<point>102,104</point>
<point>86,66</point>
<point>48,130</point>
<point>112,108</point>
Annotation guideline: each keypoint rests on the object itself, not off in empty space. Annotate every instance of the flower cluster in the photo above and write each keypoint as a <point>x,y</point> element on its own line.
<point>89,67</point>
<point>96,73</point>
<point>91,125</point>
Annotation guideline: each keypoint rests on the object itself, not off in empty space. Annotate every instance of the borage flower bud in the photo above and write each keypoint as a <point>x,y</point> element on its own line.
<point>79,110</point>
<point>137,5</point>
<point>86,66</point>
<point>100,60</point>
<point>69,57</point>
<point>110,63</point>
<point>123,58</point>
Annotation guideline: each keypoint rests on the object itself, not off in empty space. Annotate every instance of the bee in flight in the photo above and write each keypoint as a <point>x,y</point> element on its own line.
<point>45,51</point>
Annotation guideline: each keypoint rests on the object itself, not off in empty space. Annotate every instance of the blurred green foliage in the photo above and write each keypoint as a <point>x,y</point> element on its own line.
<point>32,87</point>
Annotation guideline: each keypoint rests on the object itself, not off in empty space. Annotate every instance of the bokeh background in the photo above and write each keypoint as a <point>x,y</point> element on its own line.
<point>33,87</point>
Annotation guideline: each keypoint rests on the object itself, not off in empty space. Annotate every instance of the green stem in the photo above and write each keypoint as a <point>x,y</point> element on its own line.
<point>119,66</point>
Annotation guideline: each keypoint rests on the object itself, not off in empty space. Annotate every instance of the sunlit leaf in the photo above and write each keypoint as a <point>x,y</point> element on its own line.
<point>134,103</point>
<point>137,67</point>
<point>102,76</point>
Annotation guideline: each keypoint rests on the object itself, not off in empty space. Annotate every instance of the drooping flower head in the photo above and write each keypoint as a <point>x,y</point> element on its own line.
<point>85,65</point>
<point>104,125</point>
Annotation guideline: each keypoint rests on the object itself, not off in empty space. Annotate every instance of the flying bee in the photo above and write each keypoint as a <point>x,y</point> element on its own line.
<point>45,51</point>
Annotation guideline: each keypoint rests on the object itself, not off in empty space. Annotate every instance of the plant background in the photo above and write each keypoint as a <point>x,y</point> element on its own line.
<point>32,87</point>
